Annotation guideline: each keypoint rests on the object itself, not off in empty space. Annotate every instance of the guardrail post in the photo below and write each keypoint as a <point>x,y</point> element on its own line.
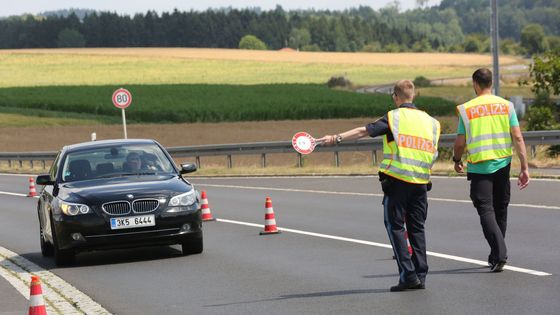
<point>44,164</point>
<point>374,157</point>
<point>20,164</point>
<point>31,163</point>
<point>229,162</point>
<point>336,159</point>
<point>10,163</point>
<point>263,160</point>
<point>198,162</point>
<point>299,160</point>
<point>533,151</point>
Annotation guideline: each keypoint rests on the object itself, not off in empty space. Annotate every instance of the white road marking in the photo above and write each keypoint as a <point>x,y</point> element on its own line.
<point>369,243</point>
<point>363,194</point>
<point>463,178</point>
<point>60,297</point>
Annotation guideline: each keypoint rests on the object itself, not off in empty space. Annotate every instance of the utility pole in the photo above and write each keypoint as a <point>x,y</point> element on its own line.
<point>495,46</point>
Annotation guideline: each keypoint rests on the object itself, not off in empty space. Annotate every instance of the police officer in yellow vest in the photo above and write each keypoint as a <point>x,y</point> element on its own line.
<point>410,148</point>
<point>487,127</point>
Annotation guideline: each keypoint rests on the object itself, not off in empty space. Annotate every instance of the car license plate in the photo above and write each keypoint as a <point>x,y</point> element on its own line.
<point>132,222</point>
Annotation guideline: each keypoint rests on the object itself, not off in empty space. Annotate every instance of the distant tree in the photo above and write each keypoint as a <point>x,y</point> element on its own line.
<point>554,43</point>
<point>312,47</point>
<point>421,3</point>
<point>472,44</point>
<point>545,72</point>
<point>533,39</point>
<point>372,47</point>
<point>299,37</point>
<point>251,42</point>
<point>70,38</point>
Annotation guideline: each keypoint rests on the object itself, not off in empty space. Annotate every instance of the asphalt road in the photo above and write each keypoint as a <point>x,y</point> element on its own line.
<point>241,272</point>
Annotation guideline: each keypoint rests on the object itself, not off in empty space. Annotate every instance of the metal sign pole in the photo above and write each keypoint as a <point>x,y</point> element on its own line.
<point>495,46</point>
<point>124,123</point>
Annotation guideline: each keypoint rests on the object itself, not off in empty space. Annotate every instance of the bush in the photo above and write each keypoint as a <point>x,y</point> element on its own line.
<point>539,118</point>
<point>313,47</point>
<point>421,81</point>
<point>339,81</point>
<point>251,42</point>
<point>372,47</point>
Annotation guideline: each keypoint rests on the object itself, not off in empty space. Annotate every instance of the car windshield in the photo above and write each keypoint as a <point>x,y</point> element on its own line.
<point>115,161</point>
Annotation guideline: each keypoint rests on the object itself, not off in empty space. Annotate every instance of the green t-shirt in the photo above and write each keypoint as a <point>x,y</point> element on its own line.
<point>491,166</point>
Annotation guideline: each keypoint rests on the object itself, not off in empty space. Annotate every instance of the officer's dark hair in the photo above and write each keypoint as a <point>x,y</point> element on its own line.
<point>483,77</point>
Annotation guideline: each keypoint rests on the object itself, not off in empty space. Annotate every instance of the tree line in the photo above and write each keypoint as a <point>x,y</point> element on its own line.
<point>526,26</point>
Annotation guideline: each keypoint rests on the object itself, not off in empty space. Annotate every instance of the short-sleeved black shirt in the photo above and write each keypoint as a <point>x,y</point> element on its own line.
<point>381,126</point>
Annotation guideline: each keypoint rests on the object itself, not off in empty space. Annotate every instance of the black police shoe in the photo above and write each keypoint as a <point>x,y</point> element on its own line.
<point>415,285</point>
<point>498,267</point>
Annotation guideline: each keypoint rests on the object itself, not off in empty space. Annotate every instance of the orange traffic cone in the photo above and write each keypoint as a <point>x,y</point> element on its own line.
<point>206,214</point>
<point>32,191</point>
<point>269,220</point>
<point>36,302</point>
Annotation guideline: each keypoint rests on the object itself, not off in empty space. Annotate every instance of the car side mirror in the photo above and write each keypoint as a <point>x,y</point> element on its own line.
<point>44,180</point>
<point>188,168</point>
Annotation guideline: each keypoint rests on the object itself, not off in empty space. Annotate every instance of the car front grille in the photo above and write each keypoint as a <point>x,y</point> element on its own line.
<point>144,205</point>
<point>116,207</point>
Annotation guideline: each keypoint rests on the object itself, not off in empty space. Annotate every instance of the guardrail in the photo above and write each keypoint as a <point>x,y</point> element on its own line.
<point>532,139</point>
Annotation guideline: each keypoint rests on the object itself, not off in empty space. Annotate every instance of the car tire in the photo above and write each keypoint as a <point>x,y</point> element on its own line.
<point>62,257</point>
<point>47,249</point>
<point>192,246</point>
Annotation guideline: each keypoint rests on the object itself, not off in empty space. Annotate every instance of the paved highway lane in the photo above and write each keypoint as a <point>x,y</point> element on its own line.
<point>241,272</point>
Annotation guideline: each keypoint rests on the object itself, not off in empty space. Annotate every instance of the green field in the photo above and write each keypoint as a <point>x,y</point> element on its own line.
<point>205,103</point>
<point>179,86</point>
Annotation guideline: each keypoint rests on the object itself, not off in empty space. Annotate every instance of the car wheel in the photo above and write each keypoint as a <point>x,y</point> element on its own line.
<point>47,248</point>
<point>192,246</point>
<point>62,257</point>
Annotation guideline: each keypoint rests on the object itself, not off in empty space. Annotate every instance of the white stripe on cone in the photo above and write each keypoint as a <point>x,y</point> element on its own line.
<point>36,300</point>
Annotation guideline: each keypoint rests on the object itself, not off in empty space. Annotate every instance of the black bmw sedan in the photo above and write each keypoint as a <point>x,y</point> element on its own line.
<point>116,194</point>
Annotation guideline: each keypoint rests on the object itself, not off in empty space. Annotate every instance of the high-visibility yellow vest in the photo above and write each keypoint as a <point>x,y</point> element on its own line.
<point>413,151</point>
<point>487,127</point>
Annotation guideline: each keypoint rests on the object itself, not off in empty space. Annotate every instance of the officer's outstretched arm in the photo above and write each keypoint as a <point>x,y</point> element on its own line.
<point>351,134</point>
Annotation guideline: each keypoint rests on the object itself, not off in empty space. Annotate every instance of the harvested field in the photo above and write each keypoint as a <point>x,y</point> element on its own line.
<point>104,66</point>
<point>380,59</point>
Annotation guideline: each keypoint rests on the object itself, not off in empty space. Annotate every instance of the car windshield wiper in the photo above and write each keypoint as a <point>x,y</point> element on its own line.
<point>126,174</point>
<point>138,173</point>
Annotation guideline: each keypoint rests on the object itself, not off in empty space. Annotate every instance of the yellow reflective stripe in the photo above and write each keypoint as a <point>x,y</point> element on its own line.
<point>466,122</point>
<point>407,173</point>
<point>407,161</point>
<point>491,136</point>
<point>490,147</point>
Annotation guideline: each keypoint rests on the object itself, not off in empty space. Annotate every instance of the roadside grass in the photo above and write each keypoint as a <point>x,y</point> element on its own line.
<point>443,168</point>
<point>205,103</point>
<point>54,68</point>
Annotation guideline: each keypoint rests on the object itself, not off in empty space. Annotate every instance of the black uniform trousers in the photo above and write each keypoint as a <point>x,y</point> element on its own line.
<point>405,202</point>
<point>490,194</point>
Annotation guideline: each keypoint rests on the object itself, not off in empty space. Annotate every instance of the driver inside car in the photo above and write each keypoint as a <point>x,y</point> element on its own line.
<point>133,162</point>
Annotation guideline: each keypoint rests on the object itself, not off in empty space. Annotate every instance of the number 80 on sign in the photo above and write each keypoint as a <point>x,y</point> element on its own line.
<point>122,98</point>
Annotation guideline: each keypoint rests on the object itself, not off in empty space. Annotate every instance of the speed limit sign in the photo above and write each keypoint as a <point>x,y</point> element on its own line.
<point>122,98</point>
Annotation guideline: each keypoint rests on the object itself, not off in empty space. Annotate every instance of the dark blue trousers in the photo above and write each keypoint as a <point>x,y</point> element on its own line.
<point>404,202</point>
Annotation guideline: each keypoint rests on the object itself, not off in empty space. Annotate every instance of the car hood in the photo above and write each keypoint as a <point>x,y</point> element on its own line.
<point>99,191</point>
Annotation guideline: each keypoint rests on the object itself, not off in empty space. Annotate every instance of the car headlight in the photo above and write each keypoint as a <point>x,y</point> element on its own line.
<point>72,209</point>
<point>182,200</point>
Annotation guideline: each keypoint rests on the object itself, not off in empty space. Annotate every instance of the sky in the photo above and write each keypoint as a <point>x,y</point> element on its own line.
<point>17,7</point>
